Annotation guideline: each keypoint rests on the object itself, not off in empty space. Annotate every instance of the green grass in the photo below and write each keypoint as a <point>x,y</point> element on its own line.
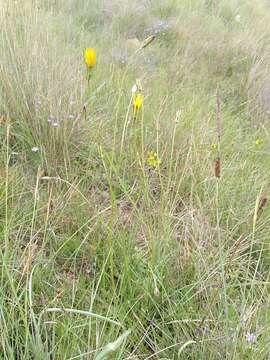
<point>104,256</point>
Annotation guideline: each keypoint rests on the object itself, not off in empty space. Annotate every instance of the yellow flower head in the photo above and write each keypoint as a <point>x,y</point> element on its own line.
<point>214,147</point>
<point>137,102</point>
<point>258,141</point>
<point>152,160</point>
<point>90,57</point>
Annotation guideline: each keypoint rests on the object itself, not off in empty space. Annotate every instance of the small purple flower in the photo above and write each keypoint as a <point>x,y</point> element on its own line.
<point>251,337</point>
<point>37,103</point>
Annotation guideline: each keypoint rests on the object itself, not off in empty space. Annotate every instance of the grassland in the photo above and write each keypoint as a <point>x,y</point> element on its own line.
<point>105,253</point>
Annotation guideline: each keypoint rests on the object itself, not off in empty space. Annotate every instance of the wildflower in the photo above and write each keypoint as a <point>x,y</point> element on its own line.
<point>70,117</point>
<point>55,124</point>
<point>251,337</point>
<point>137,102</point>
<point>152,160</point>
<point>237,18</point>
<point>51,118</point>
<point>35,149</point>
<point>90,57</point>
<point>258,141</point>
<point>213,147</point>
<point>38,103</point>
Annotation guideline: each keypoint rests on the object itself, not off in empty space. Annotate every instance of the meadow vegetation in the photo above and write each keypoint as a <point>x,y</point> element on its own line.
<point>134,216</point>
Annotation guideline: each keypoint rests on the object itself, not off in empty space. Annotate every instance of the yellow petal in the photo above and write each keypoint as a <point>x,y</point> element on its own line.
<point>90,57</point>
<point>258,142</point>
<point>137,102</point>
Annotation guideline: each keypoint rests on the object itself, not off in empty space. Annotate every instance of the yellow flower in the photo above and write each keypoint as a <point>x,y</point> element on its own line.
<point>213,147</point>
<point>90,57</point>
<point>137,102</point>
<point>152,160</point>
<point>258,141</point>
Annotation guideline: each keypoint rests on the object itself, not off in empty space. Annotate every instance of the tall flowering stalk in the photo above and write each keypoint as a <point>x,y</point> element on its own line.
<point>218,129</point>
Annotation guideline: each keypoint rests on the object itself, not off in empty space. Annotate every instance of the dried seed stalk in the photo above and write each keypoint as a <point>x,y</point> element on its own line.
<point>218,130</point>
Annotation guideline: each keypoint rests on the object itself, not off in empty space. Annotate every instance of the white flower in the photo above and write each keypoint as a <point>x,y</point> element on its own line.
<point>134,89</point>
<point>237,18</point>
<point>70,117</point>
<point>55,124</point>
<point>35,149</point>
